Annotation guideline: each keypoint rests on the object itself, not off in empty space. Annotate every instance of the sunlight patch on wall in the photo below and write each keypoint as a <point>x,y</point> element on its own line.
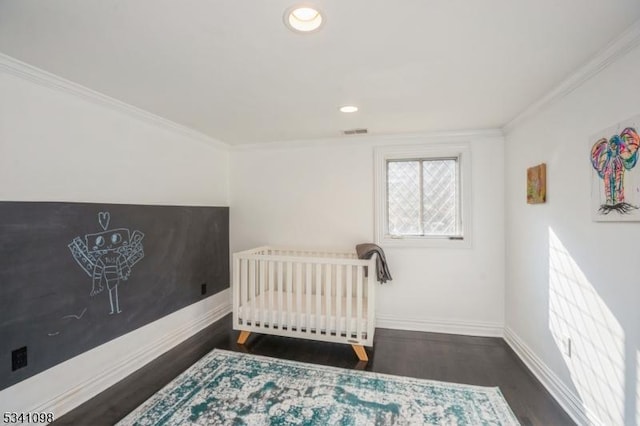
<point>588,335</point>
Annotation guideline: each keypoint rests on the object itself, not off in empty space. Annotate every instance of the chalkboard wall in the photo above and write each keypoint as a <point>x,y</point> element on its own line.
<point>76,275</point>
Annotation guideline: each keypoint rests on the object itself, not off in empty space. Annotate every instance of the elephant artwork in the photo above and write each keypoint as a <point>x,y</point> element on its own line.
<point>616,185</point>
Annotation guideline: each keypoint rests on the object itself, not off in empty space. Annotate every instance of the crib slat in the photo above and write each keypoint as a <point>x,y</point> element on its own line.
<point>371,301</point>
<point>298,290</point>
<point>252,290</point>
<point>307,307</point>
<point>236,289</point>
<point>349,299</point>
<point>261,291</point>
<point>270,290</point>
<point>319,288</point>
<point>327,297</point>
<point>289,295</point>
<point>270,306</point>
<point>339,301</point>
<point>243,291</point>
<point>359,285</point>
<point>280,308</point>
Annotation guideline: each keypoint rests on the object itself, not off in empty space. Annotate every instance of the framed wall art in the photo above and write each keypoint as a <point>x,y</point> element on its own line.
<point>537,184</point>
<point>615,173</point>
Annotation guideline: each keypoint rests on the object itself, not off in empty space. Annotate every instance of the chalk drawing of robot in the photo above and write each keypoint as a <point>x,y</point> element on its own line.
<point>108,257</point>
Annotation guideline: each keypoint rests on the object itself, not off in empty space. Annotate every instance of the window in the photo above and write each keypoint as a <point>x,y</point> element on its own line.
<point>422,196</point>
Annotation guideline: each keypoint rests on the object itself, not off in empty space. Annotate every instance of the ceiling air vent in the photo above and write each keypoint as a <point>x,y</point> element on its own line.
<point>355,132</point>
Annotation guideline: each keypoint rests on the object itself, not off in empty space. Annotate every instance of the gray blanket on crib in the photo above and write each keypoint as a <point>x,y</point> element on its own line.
<point>366,250</point>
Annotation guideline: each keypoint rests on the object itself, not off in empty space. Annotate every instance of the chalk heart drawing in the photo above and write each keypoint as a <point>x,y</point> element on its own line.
<point>108,257</point>
<point>104,218</point>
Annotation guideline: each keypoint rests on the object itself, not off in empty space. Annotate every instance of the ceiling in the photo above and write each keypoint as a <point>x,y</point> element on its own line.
<point>232,70</point>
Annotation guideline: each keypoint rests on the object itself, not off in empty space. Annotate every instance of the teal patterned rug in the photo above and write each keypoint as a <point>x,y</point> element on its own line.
<point>241,389</point>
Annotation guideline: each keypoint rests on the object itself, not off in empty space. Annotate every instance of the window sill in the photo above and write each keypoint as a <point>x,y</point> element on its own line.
<point>424,242</point>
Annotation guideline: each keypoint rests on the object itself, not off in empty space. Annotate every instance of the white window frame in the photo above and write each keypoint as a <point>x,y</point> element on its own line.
<point>383,154</point>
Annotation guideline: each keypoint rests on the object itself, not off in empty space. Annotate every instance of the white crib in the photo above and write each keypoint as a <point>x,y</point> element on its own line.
<point>318,295</point>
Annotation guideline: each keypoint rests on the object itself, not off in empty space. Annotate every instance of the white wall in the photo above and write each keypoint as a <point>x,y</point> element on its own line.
<point>567,276</point>
<point>59,146</point>
<point>321,195</point>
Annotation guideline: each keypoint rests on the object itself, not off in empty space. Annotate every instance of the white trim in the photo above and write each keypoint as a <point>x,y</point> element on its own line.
<point>373,139</point>
<point>28,72</point>
<point>435,325</point>
<point>460,150</point>
<point>617,48</point>
<point>81,392</point>
<point>567,399</point>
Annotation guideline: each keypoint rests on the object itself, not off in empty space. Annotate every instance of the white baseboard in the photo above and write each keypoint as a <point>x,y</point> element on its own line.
<point>466,328</point>
<point>191,320</point>
<point>219,306</point>
<point>567,399</point>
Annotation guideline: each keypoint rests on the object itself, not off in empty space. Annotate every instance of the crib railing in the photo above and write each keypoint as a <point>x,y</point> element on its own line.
<point>317,295</point>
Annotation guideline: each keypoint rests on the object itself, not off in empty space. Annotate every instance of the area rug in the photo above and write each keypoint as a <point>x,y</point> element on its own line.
<point>242,389</point>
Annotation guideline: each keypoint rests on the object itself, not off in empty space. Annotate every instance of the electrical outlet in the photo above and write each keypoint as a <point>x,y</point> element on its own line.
<point>567,346</point>
<point>203,288</point>
<point>19,358</point>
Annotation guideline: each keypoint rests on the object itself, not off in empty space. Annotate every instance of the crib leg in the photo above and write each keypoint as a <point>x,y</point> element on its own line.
<point>359,350</point>
<point>244,335</point>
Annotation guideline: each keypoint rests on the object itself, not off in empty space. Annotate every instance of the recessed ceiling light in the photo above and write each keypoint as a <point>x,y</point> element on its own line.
<point>304,19</point>
<point>348,108</point>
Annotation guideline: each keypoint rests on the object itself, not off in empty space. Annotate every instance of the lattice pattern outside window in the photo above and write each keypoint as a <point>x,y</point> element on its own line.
<point>423,197</point>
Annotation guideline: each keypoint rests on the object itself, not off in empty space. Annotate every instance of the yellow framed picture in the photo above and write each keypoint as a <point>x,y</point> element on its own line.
<point>537,184</point>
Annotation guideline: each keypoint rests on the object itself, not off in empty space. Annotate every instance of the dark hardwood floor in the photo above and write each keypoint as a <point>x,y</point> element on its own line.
<point>479,361</point>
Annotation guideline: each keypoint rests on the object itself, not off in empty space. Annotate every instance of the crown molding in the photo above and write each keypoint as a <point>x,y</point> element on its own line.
<point>617,48</point>
<point>43,78</point>
<point>373,139</point>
